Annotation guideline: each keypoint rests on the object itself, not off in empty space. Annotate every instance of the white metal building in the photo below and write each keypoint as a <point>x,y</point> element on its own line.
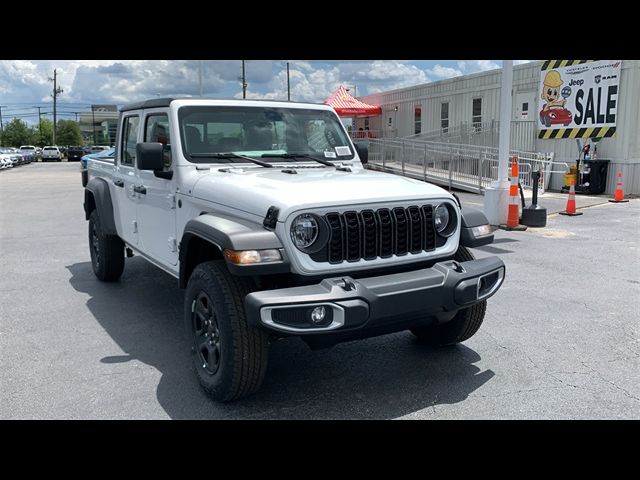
<point>466,110</point>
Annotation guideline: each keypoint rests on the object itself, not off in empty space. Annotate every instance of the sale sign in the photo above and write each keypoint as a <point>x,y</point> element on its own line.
<point>578,98</point>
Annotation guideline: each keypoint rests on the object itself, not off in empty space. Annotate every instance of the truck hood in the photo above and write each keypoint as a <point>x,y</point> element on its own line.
<point>254,190</point>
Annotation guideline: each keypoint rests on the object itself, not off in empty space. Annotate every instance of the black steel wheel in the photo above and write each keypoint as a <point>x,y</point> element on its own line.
<point>206,334</point>
<point>107,251</point>
<point>229,355</point>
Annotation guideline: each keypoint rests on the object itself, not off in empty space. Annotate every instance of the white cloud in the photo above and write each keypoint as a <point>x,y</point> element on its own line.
<point>439,71</point>
<point>473,66</point>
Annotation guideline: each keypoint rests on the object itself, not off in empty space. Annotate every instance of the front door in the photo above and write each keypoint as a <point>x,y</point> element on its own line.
<point>125,181</point>
<point>156,207</point>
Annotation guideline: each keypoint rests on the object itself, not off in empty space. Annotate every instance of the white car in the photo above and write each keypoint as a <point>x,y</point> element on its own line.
<point>51,153</point>
<point>5,161</point>
<point>29,149</point>
<point>265,213</point>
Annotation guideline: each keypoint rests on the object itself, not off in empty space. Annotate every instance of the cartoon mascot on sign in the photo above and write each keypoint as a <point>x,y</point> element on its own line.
<point>551,90</point>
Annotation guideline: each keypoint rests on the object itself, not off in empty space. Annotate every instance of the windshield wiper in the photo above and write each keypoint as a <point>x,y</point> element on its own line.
<point>299,155</point>
<point>230,155</point>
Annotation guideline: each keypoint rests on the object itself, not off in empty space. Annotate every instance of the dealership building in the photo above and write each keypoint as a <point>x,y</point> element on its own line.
<point>558,106</point>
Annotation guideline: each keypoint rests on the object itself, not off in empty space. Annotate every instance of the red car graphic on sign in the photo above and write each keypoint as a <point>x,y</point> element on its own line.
<point>553,116</point>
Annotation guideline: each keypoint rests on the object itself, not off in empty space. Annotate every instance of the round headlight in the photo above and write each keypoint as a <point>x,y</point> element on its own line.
<point>304,230</point>
<point>441,217</point>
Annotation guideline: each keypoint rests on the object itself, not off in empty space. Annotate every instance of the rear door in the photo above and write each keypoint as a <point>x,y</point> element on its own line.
<point>125,179</point>
<point>156,207</point>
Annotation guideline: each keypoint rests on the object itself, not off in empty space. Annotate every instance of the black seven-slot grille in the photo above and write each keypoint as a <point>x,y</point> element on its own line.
<point>370,234</point>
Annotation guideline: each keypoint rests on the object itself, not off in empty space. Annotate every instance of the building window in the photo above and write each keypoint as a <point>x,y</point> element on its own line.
<point>444,117</point>
<point>129,140</point>
<point>417,121</point>
<point>476,114</point>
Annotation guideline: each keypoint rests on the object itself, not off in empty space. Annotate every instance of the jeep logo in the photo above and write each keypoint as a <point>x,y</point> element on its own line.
<point>575,82</point>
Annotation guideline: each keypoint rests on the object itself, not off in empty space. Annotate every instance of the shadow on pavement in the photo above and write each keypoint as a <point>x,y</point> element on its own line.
<point>383,377</point>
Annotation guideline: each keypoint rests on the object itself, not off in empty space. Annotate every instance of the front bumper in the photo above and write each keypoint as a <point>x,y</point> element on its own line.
<point>399,299</point>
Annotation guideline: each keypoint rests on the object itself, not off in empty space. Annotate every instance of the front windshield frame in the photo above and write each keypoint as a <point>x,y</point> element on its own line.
<point>289,118</point>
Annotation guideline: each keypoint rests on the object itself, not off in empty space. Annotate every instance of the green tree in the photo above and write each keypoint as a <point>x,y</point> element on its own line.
<point>68,133</point>
<point>16,133</point>
<point>43,135</point>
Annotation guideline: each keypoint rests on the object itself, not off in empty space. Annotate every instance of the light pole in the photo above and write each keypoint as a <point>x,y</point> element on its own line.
<point>1,126</point>
<point>39,123</point>
<point>355,89</point>
<point>288,85</point>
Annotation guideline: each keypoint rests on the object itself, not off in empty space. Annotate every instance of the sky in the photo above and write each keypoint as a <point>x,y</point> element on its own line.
<point>25,84</point>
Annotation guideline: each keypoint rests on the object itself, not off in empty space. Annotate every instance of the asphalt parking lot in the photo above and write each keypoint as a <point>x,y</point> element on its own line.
<point>561,339</point>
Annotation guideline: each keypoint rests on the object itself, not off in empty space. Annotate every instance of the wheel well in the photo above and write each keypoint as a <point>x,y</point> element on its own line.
<point>197,250</point>
<point>89,203</point>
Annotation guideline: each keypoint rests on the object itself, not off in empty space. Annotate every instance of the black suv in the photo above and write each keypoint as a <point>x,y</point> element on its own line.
<point>75,153</point>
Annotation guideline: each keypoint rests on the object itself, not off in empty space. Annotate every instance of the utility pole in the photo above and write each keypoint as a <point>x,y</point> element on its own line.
<point>56,91</point>
<point>244,82</point>
<point>496,195</point>
<point>1,125</point>
<point>39,123</point>
<point>288,85</point>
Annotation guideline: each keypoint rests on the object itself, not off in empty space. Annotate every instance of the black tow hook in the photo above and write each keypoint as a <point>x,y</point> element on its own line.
<point>347,285</point>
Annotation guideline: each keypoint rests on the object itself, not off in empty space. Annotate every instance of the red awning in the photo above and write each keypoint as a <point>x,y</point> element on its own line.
<point>347,106</point>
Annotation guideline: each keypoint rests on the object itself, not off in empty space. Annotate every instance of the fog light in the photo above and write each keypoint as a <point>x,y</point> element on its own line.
<point>318,314</point>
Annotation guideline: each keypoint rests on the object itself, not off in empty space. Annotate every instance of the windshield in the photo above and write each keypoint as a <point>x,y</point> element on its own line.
<point>258,131</point>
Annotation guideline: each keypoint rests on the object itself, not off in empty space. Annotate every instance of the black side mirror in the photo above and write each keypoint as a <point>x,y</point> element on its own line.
<point>150,156</point>
<point>363,152</point>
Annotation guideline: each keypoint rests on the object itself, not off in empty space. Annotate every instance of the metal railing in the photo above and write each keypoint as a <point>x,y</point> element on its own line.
<point>523,134</point>
<point>465,167</point>
<point>360,135</point>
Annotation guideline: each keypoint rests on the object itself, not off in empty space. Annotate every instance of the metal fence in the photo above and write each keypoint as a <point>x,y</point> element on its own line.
<point>523,134</point>
<point>465,167</point>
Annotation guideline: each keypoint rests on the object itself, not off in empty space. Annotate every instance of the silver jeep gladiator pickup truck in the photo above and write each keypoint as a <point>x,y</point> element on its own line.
<point>264,213</point>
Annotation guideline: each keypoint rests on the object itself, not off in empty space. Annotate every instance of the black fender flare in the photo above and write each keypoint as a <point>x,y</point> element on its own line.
<point>98,189</point>
<point>472,217</point>
<point>224,231</point>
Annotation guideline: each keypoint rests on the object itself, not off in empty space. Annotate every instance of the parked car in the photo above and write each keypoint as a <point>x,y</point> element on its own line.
<point>5,161</point>
<point>75,153</point>
<point>273,237</point>
<point>107,155</point>
<point>51,153</point>
<point>98,148</point>
<point>29,149</point>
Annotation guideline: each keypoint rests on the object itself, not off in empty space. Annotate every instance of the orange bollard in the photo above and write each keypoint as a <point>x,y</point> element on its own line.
<point>513,216</point>
<point>618,197</point>
<point>570,209</point>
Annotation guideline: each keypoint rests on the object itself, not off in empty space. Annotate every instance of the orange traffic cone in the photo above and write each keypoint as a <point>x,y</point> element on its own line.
<point>513,216</point>
<point>570,209</point>
<point>618,197</point>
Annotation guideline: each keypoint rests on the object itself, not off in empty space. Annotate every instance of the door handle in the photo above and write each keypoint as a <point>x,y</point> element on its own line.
<point>118,183</point>
<point>141,189</point>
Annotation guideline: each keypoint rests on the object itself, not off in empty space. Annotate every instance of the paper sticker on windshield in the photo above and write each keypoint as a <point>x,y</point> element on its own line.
<point>330,154</point>
<point>343,150</point>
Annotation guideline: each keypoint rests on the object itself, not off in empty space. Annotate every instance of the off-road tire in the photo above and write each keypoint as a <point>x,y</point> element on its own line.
<point>241,350</point>
<point>463,326</point>
<point>108,260</point>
